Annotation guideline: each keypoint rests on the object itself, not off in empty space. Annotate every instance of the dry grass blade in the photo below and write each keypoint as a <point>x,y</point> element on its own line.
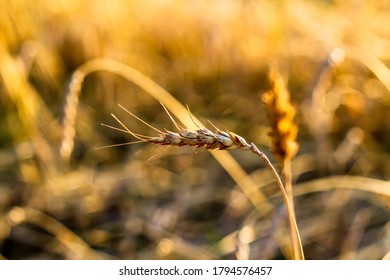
<point>372,62</point>
<point>78,248</point>
<point>357,183</point>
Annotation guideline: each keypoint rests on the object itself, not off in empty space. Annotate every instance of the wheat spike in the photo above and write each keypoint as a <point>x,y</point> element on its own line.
<point>200,138</point>
<point>281,114</point>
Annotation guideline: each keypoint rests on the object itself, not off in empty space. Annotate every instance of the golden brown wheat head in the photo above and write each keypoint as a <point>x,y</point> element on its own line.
<point>200,138</point>
<point>281,114</point>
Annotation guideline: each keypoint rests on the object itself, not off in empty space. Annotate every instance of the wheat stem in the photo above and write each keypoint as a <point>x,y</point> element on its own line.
<point>294,232</point>
<point>287,175</point>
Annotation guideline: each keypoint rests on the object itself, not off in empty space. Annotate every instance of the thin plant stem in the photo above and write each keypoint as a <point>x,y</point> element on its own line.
<point>294,232</point>
<point>287,174</point>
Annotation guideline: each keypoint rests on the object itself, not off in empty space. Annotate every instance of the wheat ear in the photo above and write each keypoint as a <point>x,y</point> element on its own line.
<point>218,140</point>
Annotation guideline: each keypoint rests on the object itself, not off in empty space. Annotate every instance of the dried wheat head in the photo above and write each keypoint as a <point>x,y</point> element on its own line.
<point>281,114</point>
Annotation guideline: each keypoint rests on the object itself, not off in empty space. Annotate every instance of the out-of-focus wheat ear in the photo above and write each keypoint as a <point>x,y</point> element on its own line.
<point>70,113</point>
<point>281,115</point>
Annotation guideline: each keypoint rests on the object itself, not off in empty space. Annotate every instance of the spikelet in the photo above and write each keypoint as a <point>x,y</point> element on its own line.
<point>281,114</point>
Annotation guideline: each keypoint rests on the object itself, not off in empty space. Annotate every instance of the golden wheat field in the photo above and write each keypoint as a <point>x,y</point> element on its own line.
<point>308,82</point>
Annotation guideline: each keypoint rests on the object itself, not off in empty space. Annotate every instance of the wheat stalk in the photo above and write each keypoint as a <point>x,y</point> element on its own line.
<point>209,140</point>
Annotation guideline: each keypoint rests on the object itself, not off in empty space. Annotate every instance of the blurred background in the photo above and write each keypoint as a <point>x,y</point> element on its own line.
<point>143,202</point>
